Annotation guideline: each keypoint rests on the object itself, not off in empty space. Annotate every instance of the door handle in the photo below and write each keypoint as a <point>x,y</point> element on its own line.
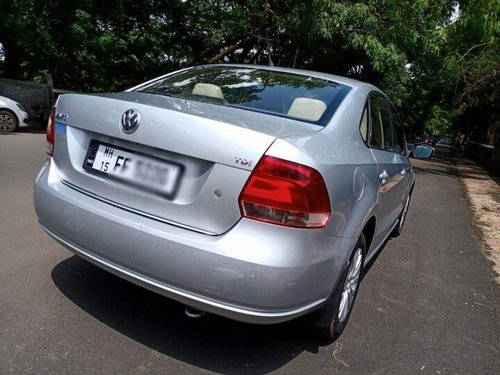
<point>384,176</point>
<point>403,172</point>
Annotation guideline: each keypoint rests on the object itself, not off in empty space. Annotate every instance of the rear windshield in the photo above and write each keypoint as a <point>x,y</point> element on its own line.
<point>295,96</point>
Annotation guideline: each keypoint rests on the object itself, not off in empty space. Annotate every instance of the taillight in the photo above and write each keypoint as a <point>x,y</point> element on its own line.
<point>50,132</point>
<point>285,193</point>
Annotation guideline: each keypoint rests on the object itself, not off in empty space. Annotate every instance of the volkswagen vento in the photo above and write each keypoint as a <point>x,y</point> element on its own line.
<point>255,193</point>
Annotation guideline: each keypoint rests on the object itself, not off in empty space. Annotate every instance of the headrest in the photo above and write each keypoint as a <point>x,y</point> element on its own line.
<point>207,89</point>
<point>307,109</point>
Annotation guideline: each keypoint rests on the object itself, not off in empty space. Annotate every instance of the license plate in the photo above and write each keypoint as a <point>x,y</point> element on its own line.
<point>141,170</point>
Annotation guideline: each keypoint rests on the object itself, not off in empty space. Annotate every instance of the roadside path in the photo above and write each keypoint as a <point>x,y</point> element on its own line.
<point>483,194</point>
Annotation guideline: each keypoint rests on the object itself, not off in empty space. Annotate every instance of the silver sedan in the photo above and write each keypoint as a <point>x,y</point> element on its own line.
<point>256,193</point>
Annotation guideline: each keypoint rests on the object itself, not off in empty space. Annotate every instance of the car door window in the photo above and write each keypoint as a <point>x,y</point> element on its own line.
<point>380,118</point>
<point>399,138</point>
<point>363,126</point>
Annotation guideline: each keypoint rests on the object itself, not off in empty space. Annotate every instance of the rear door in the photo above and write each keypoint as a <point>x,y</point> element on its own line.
<point>388,163</point>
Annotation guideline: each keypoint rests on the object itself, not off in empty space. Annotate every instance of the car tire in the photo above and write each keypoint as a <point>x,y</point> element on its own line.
<point>8,121</point>
<point>331,319</point>
<point>398,229</point>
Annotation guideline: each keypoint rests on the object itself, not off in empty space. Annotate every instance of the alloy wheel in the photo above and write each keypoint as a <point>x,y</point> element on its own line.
<point>350,285</point>
<point>7,122</point>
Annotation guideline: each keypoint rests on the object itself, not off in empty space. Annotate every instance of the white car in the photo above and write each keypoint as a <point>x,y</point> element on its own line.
<point>12,115</point>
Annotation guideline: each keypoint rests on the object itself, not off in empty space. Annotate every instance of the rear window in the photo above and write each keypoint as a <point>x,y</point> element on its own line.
<point>295,96</point>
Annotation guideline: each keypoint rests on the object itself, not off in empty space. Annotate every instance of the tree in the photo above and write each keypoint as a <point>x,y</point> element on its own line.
<point>82,41</point>
<point>86,46</point>
<point>374,40</point>
<point>472,66</point>
<point>436,71</point>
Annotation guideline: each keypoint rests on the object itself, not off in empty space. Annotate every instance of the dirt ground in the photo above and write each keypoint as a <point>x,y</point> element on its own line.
<point>483,194</point>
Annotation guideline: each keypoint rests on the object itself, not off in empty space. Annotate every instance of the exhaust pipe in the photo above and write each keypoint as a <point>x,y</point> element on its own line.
<point>193,313</point>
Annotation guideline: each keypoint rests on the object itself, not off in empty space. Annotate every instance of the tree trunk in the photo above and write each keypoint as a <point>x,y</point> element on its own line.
<point>221,55</point>
<point>296,56</point>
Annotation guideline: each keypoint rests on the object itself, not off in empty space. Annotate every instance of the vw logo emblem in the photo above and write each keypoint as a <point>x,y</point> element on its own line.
<point>130,121</point>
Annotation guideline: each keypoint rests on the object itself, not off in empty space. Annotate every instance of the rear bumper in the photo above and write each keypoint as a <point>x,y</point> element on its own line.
<point>256,273</point>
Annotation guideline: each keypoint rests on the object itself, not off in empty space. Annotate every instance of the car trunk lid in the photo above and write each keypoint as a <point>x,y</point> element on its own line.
<point>212,155</point>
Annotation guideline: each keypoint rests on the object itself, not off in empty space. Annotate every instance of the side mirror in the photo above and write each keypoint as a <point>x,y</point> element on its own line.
<point>422,152</point>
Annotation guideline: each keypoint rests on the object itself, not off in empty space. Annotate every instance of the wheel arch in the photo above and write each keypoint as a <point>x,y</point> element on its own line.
<point>7,109</point>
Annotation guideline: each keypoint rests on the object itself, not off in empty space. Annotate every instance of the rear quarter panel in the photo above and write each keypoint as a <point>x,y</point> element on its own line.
<point>345,162</point>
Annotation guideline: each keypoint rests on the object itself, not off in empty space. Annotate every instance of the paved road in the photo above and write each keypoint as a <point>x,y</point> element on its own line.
<point>426,306</point>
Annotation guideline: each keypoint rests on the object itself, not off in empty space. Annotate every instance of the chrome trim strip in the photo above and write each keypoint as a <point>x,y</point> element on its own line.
<point>140,279</point>
<point>138,212</point>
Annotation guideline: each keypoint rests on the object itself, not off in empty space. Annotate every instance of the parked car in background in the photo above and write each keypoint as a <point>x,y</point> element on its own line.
<point>12,115</point>
<point>36,99</point>
<point>445,141</point>
<point>252,192</point>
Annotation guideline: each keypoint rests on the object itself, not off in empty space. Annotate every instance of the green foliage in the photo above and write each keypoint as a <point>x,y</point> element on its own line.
<point>87,46</point>
<point>471,67</point>
<point>438,124</point>
<point>437,72</point>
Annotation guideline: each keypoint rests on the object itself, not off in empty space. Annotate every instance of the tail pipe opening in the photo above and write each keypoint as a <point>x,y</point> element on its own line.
<point>193,313</point>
